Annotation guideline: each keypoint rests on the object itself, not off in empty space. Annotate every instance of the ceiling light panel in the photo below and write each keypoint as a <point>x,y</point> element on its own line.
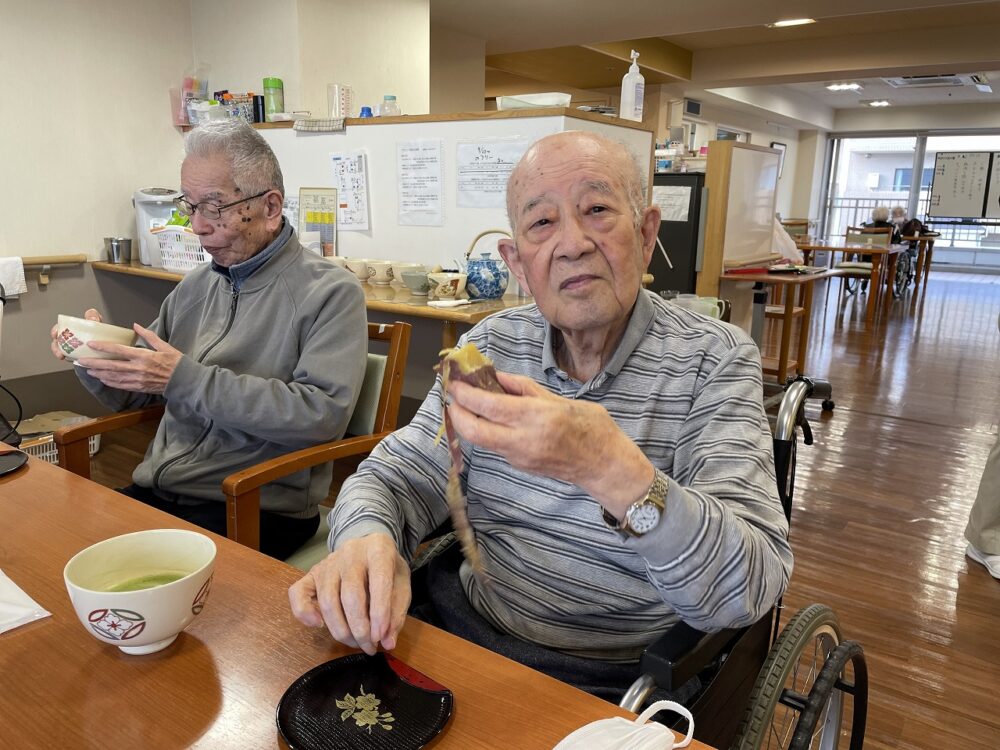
<point>790,22</point>
<point>853,86</point>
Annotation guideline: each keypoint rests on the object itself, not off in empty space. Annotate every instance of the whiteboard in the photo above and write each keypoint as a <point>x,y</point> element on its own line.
<point>753,187</point>
<point>305,162</point>
<point>960,183</point>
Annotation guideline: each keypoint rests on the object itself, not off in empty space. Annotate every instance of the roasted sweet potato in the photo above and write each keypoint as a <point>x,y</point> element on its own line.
<point>466,364</point>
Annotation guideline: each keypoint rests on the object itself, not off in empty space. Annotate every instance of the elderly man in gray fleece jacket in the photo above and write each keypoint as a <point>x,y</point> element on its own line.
<point>260,352</point>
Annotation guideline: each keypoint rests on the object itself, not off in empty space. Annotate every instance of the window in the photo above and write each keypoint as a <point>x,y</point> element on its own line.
<point>901,179</point>
<point>723,133</point>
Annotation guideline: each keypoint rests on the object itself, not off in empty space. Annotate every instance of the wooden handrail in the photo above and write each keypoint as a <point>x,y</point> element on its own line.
<point>56,260</point>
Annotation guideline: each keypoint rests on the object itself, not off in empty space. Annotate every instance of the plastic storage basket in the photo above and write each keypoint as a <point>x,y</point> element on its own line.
<point>45,448</point>
<point>180,250</point>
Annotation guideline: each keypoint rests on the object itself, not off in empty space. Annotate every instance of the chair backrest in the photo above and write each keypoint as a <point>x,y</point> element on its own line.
<point>878,235</point>
<point>377,409</point>
<point>796,226</point>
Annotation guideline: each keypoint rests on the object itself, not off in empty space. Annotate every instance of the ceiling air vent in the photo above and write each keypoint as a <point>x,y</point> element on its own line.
<point>942,79</point>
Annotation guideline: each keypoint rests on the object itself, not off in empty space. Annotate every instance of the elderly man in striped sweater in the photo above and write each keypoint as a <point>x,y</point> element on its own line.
<point>623,481</point>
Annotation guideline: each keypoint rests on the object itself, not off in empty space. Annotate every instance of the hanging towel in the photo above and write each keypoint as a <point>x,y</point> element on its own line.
<point>12,276</point>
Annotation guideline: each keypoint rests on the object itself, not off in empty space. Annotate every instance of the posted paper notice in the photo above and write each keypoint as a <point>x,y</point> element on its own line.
<point>420,184</point>
<point>673,201</point>
<point>483,168</point>
<point>350,177</point>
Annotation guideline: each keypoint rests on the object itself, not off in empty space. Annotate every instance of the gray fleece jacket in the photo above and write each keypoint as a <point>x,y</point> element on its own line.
<point>273,368</point>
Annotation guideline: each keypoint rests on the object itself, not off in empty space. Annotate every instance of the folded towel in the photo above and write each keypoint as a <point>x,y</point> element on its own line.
<point>12,276</point>
<point>448,303</point>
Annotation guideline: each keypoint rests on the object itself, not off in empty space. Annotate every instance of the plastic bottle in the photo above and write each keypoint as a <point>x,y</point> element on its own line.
<point>274,96</point>
<point>366,112</point>
<point>633,87</point>
<point>389,107</point>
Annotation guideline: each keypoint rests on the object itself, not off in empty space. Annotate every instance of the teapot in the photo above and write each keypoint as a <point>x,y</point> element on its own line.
<point>487,277</point>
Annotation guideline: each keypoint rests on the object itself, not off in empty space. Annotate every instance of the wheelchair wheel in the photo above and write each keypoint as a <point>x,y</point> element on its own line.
<point>902,279</point>
<point>786,682</point>
<point>826,700</point>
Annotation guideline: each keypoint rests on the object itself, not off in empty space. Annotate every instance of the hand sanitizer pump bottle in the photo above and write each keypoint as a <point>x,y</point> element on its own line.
<point>633,86</point>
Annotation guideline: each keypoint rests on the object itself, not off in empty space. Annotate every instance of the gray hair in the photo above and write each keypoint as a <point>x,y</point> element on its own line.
<point>621,159</point>
<point>254,166</point>
<point>880,213</point>
<point>898,211</point>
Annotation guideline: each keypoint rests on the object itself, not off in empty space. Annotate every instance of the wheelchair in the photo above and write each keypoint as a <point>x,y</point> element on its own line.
<point>795,685</point>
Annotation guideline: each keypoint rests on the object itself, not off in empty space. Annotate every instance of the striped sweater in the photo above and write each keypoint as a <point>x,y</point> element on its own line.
<point>687,390</point>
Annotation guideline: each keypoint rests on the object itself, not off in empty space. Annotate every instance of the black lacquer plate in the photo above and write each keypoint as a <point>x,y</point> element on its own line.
<point>12,461</point>
<point>364,702</point>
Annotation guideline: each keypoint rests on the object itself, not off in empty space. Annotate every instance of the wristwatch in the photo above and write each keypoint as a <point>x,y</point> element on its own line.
<point>644,514</point>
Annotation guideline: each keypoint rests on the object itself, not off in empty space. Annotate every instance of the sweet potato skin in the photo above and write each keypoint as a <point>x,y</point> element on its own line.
<point>468,365</point>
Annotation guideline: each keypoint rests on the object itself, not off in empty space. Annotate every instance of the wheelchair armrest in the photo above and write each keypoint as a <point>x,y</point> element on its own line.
<point>681,653</point>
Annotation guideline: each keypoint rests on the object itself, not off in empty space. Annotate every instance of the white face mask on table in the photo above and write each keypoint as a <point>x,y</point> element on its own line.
<point>619,733</point>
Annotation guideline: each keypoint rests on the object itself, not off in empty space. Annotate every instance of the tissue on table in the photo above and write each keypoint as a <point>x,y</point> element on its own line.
<point>16,607</point>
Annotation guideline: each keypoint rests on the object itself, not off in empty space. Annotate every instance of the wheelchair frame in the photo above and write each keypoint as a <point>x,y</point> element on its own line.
<point>817,700</point>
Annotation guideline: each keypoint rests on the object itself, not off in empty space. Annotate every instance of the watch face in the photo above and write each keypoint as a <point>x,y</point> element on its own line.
<point>643,518</point>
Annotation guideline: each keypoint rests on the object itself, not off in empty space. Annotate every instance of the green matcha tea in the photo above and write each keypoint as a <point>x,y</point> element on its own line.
<point>147,581</point>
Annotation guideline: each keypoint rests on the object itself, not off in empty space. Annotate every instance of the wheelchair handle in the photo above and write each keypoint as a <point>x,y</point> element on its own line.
<point>791,404</point>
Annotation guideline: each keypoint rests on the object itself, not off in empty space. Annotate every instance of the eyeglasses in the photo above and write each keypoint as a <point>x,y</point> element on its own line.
<point>209,210</point>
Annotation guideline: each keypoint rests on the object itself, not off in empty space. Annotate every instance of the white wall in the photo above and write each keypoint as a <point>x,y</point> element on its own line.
<point>377,46</point>
<point>968,116</point>
<point>762,133</point>
<point>457,71</point>
<point>87,118</point>
<point>245,41</point>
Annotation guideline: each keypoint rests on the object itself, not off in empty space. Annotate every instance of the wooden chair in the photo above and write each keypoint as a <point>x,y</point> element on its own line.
<point>375,416</point>
<point>852,270</point>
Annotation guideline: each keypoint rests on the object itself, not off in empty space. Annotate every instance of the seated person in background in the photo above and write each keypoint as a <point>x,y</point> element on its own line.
<point>623,482</point>
<point>880,219</point>
<point>256,354</point>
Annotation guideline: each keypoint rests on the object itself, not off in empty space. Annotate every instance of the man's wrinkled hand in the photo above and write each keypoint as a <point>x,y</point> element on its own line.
<point>541,433</point>
<point>134,368</point>
<point>360,592</point>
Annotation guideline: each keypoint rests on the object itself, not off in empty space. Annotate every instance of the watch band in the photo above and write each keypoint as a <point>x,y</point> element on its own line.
<point>655,498</point>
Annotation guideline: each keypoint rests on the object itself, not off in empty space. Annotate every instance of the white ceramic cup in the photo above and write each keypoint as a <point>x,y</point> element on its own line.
<point>447,285</point>
<point>146,620</point>
<point>417,282</point>
<point>399,268</point>
<point>380,272</point>
<point>337,260</point>
<point>359,267</point>
<point>73,335</point>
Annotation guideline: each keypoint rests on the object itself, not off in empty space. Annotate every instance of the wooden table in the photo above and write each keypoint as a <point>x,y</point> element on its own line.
<point>882,273</point>
<point>392,299</point>
<point>218,684</point>
<point>397,300</point>
<point>782,364</point>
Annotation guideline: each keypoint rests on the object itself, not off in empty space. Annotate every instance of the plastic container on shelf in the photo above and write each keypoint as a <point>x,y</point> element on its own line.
<point>389,108</point>
<point>633,90</point>
<point>180,249</point>
<point>274,96</point>
<point>366,111</point>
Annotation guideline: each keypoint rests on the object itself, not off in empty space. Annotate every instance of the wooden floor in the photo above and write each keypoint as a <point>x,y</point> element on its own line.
<point>881,503</point>
<point>882,499</point>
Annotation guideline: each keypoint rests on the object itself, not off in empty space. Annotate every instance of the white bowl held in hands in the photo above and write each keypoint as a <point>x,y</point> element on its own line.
<point>102,581</point>
<point>74,334</point>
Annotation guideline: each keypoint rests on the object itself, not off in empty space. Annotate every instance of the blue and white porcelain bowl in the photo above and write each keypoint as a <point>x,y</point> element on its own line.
<point>487,278</point>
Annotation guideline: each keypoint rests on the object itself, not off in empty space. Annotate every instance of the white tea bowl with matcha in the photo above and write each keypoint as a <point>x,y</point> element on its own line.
<point>138,591</point>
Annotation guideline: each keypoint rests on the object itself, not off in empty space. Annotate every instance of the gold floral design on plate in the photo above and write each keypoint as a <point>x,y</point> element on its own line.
<point>364,710</point>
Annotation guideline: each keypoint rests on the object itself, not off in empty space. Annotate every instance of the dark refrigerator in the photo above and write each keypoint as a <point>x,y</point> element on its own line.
<point>681,198</point>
